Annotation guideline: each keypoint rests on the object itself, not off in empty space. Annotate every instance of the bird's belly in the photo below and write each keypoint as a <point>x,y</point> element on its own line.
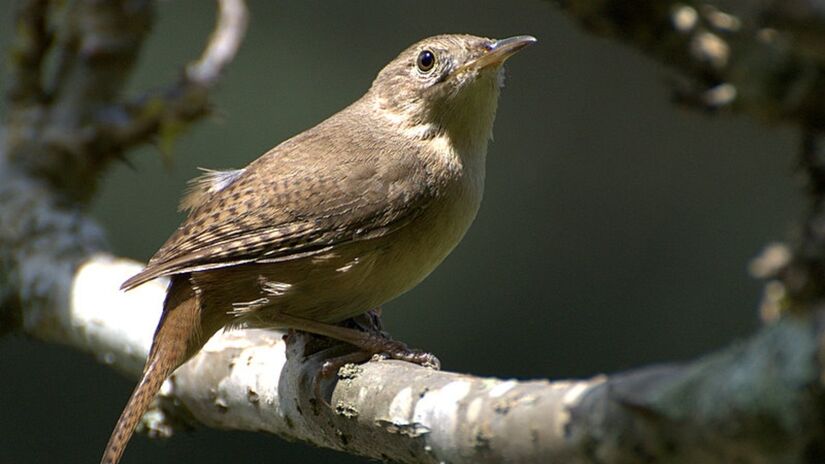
<point>412,253</point>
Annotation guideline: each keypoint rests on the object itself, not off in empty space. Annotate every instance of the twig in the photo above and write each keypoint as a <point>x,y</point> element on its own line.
<point>223,45</point>
<point>166,111</point>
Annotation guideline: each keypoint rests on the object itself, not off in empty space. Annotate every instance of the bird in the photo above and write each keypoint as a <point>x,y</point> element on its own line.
<point>334,221</point>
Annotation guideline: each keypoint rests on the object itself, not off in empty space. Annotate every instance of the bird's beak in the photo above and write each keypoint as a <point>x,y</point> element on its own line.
<point>498,51</point>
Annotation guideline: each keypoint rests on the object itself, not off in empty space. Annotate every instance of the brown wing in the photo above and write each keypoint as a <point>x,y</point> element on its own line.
<point>320,189</point>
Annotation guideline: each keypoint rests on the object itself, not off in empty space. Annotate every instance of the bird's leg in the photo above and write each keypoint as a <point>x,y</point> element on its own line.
<point>365,334</point>
<point>372,322</point>
<point>371,341</point>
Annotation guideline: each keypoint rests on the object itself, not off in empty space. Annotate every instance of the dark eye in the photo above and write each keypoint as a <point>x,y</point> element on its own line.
<point>426,60</point>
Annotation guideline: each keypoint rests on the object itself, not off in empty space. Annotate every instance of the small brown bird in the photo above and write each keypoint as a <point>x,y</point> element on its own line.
<point>334,221</point>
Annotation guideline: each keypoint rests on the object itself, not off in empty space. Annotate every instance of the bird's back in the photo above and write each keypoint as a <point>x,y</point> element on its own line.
<point>308,194</point>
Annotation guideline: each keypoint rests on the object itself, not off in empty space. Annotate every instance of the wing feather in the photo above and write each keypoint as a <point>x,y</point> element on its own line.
<point>304,196</point>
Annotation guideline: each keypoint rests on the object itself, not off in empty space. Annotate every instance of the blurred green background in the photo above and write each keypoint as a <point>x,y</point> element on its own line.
<point>615,231</point>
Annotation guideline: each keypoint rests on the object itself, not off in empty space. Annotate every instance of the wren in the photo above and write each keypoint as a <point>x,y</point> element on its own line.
<point>335,221</point>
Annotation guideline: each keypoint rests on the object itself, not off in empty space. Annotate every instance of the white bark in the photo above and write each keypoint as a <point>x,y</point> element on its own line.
<point>116,326</point>
<point>253,380</point>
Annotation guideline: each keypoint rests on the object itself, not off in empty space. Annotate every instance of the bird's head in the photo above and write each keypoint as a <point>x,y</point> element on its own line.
<point>447,84</point>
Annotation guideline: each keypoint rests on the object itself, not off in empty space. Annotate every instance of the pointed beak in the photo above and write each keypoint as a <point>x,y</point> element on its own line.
<point>498,51</point>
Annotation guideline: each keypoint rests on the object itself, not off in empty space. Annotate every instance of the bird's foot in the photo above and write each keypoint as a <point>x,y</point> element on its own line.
<point>370,338</point>
<point>363,332</point>
<point>386,348</point>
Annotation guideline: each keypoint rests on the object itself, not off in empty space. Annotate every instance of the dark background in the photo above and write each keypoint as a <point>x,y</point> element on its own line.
<point>615,231</point>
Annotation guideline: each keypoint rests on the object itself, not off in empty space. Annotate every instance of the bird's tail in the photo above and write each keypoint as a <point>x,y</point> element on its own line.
<point>144,393</point>
<point>177,338</point>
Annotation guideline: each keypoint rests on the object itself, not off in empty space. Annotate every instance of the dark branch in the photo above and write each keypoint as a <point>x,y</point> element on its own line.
<point>27,52</point>
<point>58,138</point>
<point>752,59</point>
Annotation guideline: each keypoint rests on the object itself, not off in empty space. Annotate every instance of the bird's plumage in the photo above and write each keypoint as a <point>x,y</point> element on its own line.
<point>318,194</point>
<point>336,220</point>
<point>337,182</point>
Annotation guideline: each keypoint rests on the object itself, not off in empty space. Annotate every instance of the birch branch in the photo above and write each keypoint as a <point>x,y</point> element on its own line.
<point>757,402</point>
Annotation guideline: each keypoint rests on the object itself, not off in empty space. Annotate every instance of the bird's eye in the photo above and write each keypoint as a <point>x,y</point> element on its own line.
<point>426,60</point>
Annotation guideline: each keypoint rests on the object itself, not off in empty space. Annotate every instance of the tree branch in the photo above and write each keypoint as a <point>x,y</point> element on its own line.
<point>760,401</point>
<point>223,45</point>
<point>52,152</point>
<point>166,112</point>
<point>765,59</point>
